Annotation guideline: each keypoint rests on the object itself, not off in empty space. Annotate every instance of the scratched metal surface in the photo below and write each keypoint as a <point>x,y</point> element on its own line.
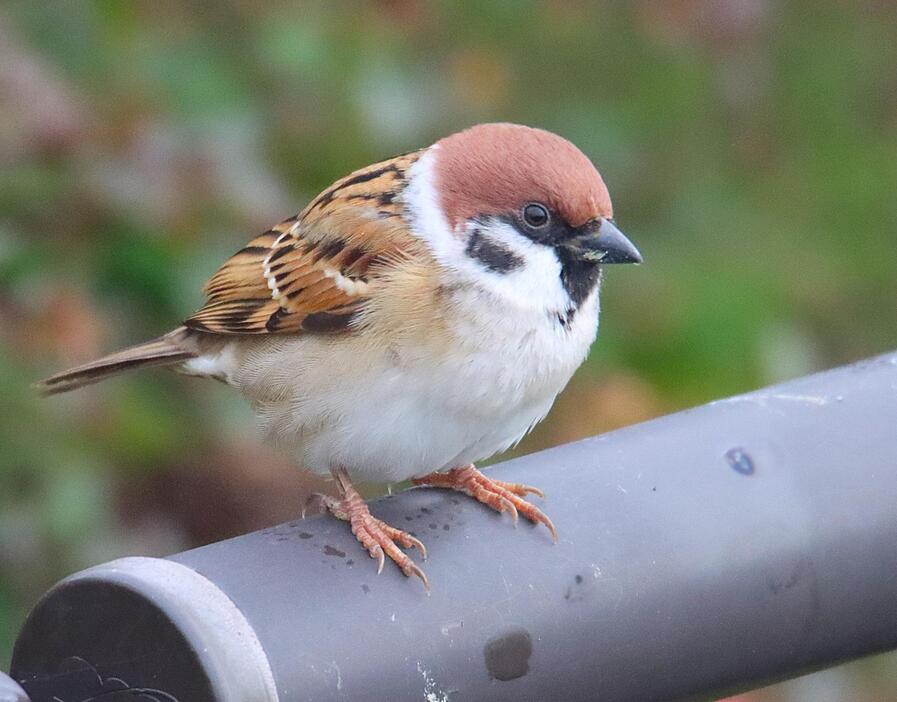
<point>721,548</point>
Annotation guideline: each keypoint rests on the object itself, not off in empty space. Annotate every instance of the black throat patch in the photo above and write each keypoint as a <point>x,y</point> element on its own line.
<point>493,255</point>
<point>578,277</point>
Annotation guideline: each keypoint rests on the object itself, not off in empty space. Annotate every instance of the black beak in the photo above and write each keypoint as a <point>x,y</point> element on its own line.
<point>607,244</point>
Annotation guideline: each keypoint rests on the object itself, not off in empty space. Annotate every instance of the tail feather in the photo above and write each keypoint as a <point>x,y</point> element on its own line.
<point>164,351</point>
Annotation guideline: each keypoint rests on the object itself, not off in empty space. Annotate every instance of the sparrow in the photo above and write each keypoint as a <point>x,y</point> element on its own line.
<point>419,315</point>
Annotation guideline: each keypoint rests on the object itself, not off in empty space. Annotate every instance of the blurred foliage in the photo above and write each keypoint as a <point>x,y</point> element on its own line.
<point>749,145</point>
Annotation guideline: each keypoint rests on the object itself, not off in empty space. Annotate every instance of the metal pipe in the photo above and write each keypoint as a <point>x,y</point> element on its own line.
<point>718,549</point>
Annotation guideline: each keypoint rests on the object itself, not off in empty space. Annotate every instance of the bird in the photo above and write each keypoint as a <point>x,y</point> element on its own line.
<point>418,316</point>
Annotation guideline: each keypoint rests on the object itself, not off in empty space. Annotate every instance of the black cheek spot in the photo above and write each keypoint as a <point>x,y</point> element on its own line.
<point>491,254</point>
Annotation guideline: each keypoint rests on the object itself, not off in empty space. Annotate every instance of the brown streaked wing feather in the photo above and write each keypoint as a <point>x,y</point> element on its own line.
<point>312,272</point>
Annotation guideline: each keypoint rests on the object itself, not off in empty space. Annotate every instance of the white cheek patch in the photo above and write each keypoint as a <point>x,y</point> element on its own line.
<point>535,281</point>
<point>532,277</point>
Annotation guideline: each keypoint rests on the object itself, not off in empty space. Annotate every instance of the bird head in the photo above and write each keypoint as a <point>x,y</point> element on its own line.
<point>520,203</point>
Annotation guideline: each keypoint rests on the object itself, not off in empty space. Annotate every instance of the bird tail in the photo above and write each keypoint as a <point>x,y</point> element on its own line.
<point>164,351</point>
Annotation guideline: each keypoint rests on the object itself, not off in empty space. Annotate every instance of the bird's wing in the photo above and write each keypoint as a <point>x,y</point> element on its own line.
<point>313,272</point>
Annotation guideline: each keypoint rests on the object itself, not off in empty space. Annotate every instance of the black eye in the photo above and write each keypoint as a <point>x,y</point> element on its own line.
<point>536,215</point>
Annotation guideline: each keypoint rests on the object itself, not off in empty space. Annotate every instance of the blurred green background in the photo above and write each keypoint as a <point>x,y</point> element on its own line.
<point>750,147</point>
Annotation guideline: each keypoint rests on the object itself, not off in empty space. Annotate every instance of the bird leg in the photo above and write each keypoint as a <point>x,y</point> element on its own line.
<point>375,535</point>
<point>497,494</point>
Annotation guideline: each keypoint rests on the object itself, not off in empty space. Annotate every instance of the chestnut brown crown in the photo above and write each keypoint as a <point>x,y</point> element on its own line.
<point>496,169</point>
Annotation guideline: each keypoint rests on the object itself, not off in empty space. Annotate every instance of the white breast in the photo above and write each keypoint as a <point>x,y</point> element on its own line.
<point>389,413</point>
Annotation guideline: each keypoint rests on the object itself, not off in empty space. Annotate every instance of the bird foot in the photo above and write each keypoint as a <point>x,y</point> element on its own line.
<point>497,494</point>
<point>377,537</point>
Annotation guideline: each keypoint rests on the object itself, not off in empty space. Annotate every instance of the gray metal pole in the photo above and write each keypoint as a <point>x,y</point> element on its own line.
<point>721,548</point>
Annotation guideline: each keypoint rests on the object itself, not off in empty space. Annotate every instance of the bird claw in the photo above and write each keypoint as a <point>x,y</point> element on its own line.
<point>415,570</point>
<point>380,539</point>
<point>508,506</point>
<point>316,499</point>
<point>530,490</point>
<point>375,535</point>
<point>519,489</point>
<point>323,502</point>
<point>497,494</point>
<point>377,552</point>
<point>416,543</point>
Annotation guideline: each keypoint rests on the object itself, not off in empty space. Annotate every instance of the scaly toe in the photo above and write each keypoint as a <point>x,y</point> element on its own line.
<point>404,538</point>
<point>529,510</point>
<point>380,541</point>
<point>497,494</point>
<point>377,537</point>
<point>520,489</point>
